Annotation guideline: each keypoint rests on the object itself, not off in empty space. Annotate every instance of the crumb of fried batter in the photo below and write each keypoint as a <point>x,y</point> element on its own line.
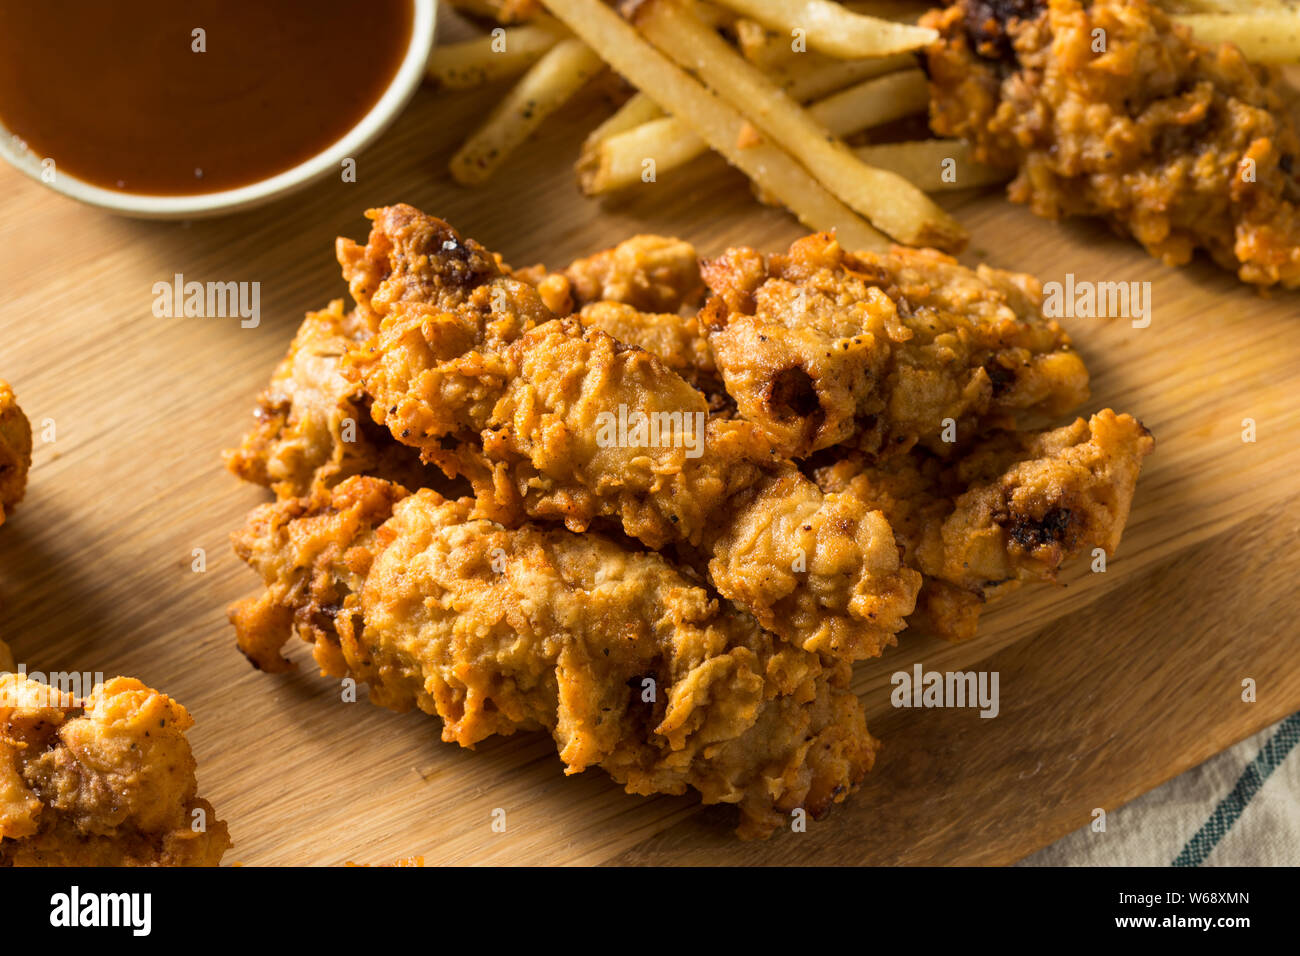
<point>401,862</point>
<point>104,782</point>
<point>1178,144</point>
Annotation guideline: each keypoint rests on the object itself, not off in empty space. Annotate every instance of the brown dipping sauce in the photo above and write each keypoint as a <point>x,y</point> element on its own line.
<point>115,94</point>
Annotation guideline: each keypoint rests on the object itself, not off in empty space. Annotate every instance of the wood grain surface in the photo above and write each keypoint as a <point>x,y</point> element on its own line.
<point>1110,684</point>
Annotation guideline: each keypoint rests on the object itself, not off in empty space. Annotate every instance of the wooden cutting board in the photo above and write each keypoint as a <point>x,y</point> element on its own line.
<point>1110,684</point>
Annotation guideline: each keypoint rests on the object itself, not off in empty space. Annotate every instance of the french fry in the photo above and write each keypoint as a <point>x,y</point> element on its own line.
<point>873,103</point>
<point>619,162</point>
<point>897,11</point>
<point>889,201</point>
<point>637,110</point>
<point>765,50</point>
<point>460,66</point>
<point>550,82</point>
<point>832,29</point>
<point>616,161</point>
<point>1224,6</point>
<point>715,16</point>
<point>810,76</point>
<point>935,165</point>
<point>640,110</point>
<point>777,54</point>
<point>773,171</point>
<point>1271,37</point>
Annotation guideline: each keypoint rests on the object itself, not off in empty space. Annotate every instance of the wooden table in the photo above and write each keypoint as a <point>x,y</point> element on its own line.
<point>1110,684</point>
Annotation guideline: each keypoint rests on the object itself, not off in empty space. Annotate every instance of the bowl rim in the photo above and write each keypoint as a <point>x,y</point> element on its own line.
<point>152,206</point>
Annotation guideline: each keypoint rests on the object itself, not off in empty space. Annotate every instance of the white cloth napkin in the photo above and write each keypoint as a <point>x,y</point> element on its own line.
<point>1240,808</point>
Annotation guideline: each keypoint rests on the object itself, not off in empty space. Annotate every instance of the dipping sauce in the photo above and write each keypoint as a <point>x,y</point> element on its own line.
<point>118,94</point>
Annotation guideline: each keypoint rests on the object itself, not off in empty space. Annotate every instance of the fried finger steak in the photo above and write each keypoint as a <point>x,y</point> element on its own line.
<point>879,352</point>
<point>1014,508</point>
<point>107,782</point>
<point>471,368</point>
<point>1108,108</point>
<point>627,663</point>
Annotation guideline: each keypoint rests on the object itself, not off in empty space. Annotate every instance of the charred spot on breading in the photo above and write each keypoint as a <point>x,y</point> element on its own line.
<point>791,394</point>
<point>987,21</point>
<point>1053,528</point>
<point>1000,377</point>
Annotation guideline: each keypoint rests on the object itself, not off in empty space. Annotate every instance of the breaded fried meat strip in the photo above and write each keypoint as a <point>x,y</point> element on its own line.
<point>1181,145</point>
<point>679,341</point>
<point>628,664</point>
<point>1015,508</point>
<point>822,346</point>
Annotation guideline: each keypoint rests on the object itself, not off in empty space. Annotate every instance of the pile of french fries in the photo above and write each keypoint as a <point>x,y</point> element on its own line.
<point>1266,31</point>
<point>774,86</point>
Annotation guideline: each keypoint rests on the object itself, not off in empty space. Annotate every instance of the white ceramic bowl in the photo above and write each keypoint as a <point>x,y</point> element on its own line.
<point>328,161</point>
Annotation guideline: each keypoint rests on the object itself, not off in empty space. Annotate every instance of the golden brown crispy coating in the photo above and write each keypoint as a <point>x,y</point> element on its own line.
<point>824,347</point>
<point>678,341</point>
<point>649,273</point>
<point>411,257</point>
<point>470,367</point>
<point>637,292</point>
<point>15,451</point>
<point>630,665</point>
<point>1015,508</point>
<point>107,783</point>
<point>1182,146</point>
<point>313,425</point>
